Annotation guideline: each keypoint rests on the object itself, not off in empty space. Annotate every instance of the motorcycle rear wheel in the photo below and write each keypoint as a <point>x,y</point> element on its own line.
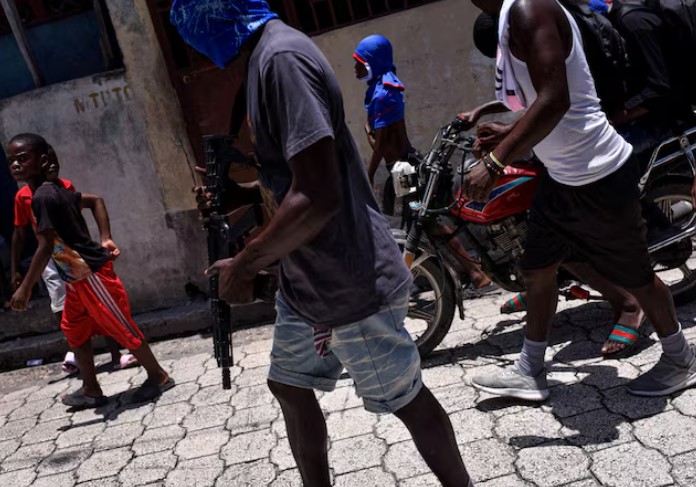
<point>682,279</point>
<point>431,306</point>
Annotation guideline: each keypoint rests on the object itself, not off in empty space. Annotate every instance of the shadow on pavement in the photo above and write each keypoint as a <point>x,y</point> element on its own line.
<point>593,407</point>
<point>589,415</point>
<point>594,325</point>
<point>117,405</point>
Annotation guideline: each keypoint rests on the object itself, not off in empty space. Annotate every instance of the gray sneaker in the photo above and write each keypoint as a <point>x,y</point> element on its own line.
<point>666,377</point>
<point>509,382</point>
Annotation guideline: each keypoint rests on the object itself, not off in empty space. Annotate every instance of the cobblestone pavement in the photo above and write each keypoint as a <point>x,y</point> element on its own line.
<point>590,432</point>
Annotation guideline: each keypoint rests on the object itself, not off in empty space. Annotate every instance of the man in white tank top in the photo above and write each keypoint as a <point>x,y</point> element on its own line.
<point>587,205</point>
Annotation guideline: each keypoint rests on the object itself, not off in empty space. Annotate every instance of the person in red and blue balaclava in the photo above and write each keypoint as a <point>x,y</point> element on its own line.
<point>384,102</point>
<point>386,132</point>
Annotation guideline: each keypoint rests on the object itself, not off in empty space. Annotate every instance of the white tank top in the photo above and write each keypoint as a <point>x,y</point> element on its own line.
<point>583,147</point>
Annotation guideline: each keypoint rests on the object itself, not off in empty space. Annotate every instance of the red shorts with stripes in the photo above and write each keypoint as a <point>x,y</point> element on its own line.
<point>98,305</point>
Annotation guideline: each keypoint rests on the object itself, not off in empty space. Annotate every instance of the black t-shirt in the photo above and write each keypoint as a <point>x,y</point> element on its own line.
<point>654,82</point>
<point>76,255</point>
<point>353,267</point>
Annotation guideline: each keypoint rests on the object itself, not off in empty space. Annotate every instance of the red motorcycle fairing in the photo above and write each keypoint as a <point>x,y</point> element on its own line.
<point>513,194</point>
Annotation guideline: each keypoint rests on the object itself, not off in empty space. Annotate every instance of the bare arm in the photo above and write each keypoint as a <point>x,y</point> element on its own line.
<point>101,216</point>
<point>490,108</point>
<point>38,263</point>
<point>370,136</point>
<point>536,29</point>
<point>375,158</point>
<point>18,238</point>
<point>313,199</point>
<point>542,41</point>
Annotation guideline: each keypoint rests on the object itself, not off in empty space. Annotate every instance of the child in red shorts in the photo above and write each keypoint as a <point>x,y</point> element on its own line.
<point>96,301</point>
<point>23,217</point>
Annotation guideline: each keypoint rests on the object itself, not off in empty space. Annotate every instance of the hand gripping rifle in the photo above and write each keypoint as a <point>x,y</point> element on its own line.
<point>224,241</point>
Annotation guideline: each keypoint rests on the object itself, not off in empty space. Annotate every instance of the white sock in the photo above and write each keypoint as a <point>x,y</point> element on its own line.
<point>677,348</point>
<point>531,362</point>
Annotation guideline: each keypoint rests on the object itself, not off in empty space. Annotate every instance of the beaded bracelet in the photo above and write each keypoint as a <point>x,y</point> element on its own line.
<point>492,167</point>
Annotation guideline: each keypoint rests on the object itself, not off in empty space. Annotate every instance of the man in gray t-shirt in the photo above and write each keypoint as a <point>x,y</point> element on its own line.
<point>344,287</point>
<point>352,267</point>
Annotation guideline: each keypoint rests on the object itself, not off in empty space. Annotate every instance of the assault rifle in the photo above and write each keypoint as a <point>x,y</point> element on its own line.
<point>225,241</point>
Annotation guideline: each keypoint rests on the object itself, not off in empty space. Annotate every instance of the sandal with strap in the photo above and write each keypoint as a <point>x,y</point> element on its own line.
<point>150,390</point>
<point>626,336</point>
<point>78,399</point>
<point>515,305</point>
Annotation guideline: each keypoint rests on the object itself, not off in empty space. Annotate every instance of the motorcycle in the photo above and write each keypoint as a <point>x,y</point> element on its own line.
<point>496,229</point>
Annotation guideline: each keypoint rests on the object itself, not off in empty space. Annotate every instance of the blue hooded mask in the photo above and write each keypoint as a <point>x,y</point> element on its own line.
<point>219,28</point>
<point>384,99</point>
<point>599,6</point>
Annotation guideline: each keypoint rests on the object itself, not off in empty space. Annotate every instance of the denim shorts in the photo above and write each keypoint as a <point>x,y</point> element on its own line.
<point>378,353</point>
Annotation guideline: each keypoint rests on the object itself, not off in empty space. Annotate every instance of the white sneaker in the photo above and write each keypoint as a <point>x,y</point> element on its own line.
<point>509,382</point>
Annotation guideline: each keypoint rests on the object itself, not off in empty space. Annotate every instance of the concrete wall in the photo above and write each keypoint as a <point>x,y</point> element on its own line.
<point>121,135</point>
<point>435,57</point>
<point>152,88</point>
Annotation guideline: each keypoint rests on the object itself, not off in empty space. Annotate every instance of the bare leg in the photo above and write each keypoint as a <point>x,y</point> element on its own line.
<point>306,432</point>
<point>155,372</point>
<point>627,311</point>
<point>473,270</point>
<point>656,299</point>
<point>624,304</point>
<point>433,435</point>
<point>542,299</point>
<point>114,349</point>
<point>85,361</point>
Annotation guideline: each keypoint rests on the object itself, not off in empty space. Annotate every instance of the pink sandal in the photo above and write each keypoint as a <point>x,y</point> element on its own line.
<point>69,365</point>
<point>126,362</point>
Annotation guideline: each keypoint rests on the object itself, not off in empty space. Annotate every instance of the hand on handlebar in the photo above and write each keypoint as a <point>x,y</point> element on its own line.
<point>469,119</point>
<point>490,134</point>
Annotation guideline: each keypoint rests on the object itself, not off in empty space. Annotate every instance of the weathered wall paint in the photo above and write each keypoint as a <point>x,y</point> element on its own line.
<point>102,143</point>
<point>152,89</point>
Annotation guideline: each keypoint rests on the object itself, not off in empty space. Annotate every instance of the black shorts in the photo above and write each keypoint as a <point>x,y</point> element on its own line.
<point>599,222</point>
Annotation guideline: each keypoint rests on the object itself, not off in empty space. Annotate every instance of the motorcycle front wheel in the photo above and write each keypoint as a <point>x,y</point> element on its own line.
<point>676,265</point>
<point>431,306</point>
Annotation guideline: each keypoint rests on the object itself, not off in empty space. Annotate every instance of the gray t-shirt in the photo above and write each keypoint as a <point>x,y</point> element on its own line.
<point>353,267</point>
